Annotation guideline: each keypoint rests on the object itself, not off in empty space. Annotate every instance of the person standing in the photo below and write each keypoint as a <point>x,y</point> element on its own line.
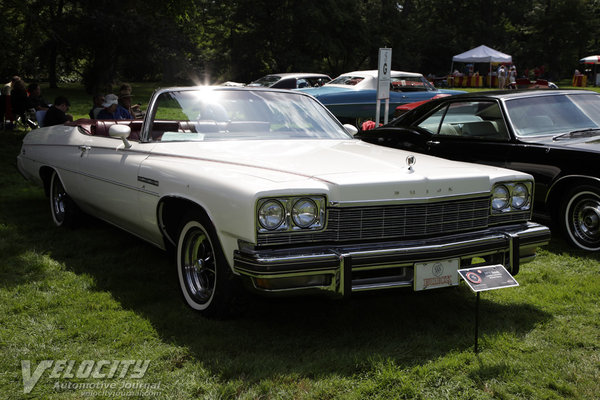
<point>501,77</point>
<point>512,74</point>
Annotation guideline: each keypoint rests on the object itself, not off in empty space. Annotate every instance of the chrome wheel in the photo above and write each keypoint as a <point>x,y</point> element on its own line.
<point>582,218</point>
<point>197,265</point>
<point>205,278</point>
<point>60,203</point>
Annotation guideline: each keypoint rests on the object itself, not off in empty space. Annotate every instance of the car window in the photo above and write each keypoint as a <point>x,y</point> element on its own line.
<point>314,82</point>
<point>265,81</point>
<point>302,83</point>
<point>473,119</point>
<point>287,83</point>
<point>347,80</point>
<point>410,84</point>
<point>205,115</point>
<point>556,114</point>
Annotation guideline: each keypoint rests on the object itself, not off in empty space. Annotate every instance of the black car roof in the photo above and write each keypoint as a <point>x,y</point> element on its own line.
<point>510,94</point>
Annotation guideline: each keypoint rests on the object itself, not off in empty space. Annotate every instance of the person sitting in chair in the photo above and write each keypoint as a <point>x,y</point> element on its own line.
<point>98,101</point>
<point>112,109</point>
<point>36,101</point>
<point>125,97</point>
<point>57,114</point>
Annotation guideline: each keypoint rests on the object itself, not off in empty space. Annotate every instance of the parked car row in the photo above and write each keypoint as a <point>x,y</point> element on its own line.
<point>265,189</point>
<point>352,97</point>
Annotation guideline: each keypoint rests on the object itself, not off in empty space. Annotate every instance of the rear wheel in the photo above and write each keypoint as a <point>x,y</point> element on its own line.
<point>580,215</point>
<point>204,274</point>
<point>63,209</point>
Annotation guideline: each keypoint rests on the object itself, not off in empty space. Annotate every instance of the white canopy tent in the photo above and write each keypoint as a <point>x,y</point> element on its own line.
<point>481,54</point>
<point>590,60</point>
<point>594,60</point>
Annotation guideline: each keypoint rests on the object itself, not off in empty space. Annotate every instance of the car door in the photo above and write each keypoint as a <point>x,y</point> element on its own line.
<point>472,131</point>
<point>476,131</point>
<point>110,178</point>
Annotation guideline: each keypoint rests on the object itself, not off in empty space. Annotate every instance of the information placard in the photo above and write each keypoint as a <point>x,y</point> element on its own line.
<point>384,75</point>
<point>487,278</point>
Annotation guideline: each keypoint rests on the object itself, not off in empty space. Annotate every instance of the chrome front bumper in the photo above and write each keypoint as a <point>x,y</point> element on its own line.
<point>339,270</point>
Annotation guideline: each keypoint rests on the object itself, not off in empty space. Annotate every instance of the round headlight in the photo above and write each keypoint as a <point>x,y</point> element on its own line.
<point>304,213</point>
<point>500,198</point>
<point>271,214</point>
<point>520,196</point>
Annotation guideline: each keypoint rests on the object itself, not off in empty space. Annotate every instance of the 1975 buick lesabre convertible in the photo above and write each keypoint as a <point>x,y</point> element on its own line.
<point>265,187</point>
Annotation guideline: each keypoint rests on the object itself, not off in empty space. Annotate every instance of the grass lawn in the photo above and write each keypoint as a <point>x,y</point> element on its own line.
<point>96,293</point>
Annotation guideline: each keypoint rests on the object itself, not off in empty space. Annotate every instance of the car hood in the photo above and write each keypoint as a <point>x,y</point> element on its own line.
<point>591,143</point>
<point>352,170</point>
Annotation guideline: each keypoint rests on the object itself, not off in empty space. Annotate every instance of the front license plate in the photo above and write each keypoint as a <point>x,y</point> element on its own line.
<point>436,274</point>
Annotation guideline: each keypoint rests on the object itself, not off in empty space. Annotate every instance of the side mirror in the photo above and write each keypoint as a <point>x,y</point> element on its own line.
<point>351,129</point>
<point>120,131</point>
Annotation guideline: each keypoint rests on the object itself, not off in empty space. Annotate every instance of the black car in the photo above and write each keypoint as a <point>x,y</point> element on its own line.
<point>552,134</point>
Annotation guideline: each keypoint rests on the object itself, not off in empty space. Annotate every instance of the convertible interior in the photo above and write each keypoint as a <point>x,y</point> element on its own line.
<point>167,130</point>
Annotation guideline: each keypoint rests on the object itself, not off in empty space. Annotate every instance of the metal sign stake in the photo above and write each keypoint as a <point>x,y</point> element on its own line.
<point>477,324</point>
<point>483,278</point>
<point>384,74</point>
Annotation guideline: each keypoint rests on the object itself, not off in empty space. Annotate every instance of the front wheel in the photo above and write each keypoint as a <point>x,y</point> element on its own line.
<point>581,218</point>
<point>204,274</point>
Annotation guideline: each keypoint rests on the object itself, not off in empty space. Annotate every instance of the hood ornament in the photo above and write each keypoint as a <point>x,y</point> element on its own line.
<point>410,161</point>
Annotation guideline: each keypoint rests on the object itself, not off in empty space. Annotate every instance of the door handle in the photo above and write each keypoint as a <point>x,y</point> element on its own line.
<point>432,142</point>
<point>83,149</point>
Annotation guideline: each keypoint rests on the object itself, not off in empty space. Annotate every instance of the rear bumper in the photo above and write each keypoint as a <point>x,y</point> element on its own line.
<point>342,269</point>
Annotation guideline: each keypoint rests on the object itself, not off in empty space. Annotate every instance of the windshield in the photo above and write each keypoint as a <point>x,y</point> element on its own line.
<point>219,114</point>
<point>554,114</point>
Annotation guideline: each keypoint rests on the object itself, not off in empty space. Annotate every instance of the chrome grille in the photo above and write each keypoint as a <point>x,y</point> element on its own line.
<point>392,222</point>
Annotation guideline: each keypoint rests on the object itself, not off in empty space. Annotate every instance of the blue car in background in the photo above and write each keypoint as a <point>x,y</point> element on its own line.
<point>352,96</point>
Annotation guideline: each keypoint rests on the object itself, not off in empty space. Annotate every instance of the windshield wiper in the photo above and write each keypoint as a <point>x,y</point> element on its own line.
<point>578,133</point>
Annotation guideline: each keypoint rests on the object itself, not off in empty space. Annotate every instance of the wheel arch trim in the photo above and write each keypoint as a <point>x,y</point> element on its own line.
<point>564,180</point>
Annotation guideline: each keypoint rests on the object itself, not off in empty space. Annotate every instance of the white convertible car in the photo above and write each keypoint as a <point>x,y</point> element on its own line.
<point>265,187</point>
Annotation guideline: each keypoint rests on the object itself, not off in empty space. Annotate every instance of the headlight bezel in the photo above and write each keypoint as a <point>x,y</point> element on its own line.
<point>263,219</point>
<point>515,190</point>
<point>527,196</point>
<point>300,212</point>
<point>501,198</point>
<point>292,220</point>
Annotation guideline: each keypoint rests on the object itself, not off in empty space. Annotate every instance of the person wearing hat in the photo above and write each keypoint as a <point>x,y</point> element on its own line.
<point>112,109</point>
<point>125,97</point>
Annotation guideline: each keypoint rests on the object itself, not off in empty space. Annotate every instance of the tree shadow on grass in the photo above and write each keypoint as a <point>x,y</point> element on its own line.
<point>306,336</point>
<point>558,246</point>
